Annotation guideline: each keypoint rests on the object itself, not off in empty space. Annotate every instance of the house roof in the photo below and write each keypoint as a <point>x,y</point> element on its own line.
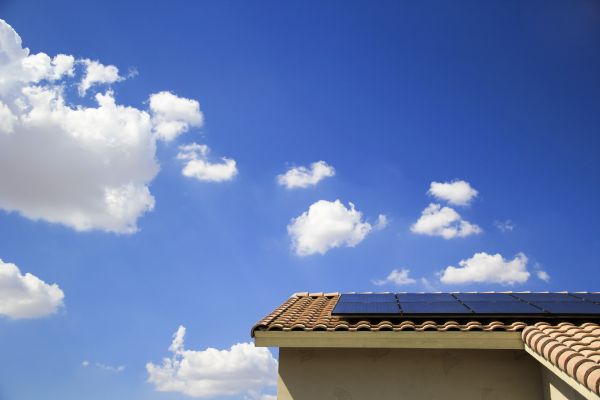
<point>312,312</point>
<point>572,346</point>
<point>574,349</point>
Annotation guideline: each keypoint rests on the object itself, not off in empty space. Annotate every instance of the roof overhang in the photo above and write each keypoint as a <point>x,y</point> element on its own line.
<point>395,340</point>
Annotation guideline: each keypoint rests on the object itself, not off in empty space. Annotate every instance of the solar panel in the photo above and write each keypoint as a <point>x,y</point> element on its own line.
<point>436,307</point>
<point>367,298</point>
<point>425,297</point>
<point>423,304</point>
<point>595,297</point>
<point>531,297</point>
<point>579,307</point>
<point>503,307</point>
<point>366,308</point>
<point>485,297</point>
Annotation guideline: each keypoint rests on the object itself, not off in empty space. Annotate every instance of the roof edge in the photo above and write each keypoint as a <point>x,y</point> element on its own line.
<point>398,340</point>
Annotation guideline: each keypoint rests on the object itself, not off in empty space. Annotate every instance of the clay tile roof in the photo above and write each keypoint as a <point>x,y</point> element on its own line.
<point>312,312</point>
<point>574,349</point>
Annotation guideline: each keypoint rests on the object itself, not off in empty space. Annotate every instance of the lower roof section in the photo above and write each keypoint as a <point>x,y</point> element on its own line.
<point>572,349</point>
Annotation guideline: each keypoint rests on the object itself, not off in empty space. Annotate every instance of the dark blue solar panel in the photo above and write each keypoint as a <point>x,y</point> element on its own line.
<point>503,307</point>
<point>366,308</point>
<point>468,303</point>
<point>438,307</point>
<point>595,297</point>
<point>579,307</point>
<point>425,297</point>
<point>367,298</point>
<point>480,297</point>
<point>534,297</point>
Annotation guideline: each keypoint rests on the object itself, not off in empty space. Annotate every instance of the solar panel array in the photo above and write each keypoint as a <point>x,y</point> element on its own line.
<point>469,304</point>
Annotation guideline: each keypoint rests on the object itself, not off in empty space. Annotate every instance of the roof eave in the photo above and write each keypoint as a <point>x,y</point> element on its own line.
<point>386,339</point>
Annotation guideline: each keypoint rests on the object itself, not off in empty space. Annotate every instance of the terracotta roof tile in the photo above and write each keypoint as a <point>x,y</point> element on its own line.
<point>574,349</point>
<point>312,312</point>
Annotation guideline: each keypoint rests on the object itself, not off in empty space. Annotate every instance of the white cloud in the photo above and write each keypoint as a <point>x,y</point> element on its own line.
<point>459,193</point>
<point>26,296</point>
<point>504,226</point>
<point>198,166</point>
<point>241,370</point>
<point>302,177</point>
<point>382,222</point>
<point>428,285</point>
<point>104,367</point>
<point>87,167</point>
<point>397,277</point>
<point>97,73</point>
<point>327,224</point>
<point>7,119</point>
<point>488,268</point>
<point>441,221</point>
<point>173,115</point>
<point>543,275</point>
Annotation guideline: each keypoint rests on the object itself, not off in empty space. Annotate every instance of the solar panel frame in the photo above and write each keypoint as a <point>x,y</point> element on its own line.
<point>367,298</point>
<point>485,297</point>
<point>503,308</point>
<point>592,297</point>
<point>546,297</point>
<point>569,307</point>
<point>425,297</point>
<point>434,308</point>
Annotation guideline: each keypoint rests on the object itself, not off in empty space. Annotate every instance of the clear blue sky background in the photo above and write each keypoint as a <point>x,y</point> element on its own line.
<point>394,95</point>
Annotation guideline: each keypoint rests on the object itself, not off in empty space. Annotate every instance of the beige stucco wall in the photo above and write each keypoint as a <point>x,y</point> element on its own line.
<point>556,389</point>
<point>357,374</point>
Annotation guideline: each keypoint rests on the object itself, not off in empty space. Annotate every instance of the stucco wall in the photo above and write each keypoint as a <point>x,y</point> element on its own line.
<point>357,374</point>
<point>556,389</point>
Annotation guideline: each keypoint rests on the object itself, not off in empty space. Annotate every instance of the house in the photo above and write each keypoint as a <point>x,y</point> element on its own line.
<point>475,346</point>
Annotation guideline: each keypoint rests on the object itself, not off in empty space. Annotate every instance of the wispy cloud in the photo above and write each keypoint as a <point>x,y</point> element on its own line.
<point>397,277</point>
<point>103,367</point>
<point>504,226</point>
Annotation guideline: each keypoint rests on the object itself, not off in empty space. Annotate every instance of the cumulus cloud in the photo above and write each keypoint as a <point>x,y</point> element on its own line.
<point>26,296</point>
<point>302,177</point>
<point>87,167</point>
<point>326,225</point>
<point>197,164</point>
<point>459,193</point>
<point>97,73</point>
<point>173,115</point>
<point>397,277</point>
<point>242,370</point>
<point>441,221</point>
<point>488,268</point>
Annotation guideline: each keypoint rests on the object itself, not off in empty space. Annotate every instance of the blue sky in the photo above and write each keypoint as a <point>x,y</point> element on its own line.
<point>392,96</point>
